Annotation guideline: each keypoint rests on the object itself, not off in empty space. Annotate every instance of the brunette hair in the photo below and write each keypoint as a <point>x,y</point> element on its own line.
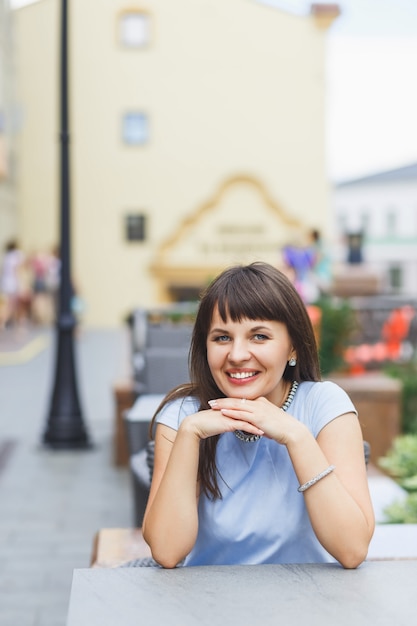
<point>257,291</point>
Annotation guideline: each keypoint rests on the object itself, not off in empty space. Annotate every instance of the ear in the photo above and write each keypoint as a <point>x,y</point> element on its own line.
<point>292,354</point>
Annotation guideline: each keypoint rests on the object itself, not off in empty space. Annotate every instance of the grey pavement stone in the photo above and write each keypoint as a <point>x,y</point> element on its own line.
<point>13,617</point>
<point>52,616</point>
<point>52,502</point>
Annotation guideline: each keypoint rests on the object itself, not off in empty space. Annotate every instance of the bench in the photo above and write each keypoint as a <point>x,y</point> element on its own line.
<point>137,422</point>
<point>113,547</point>
<point>160,342</point>
<point>124,397</point>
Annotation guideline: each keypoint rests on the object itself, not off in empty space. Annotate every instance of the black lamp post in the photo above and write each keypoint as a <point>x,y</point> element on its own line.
<point>65,427</point>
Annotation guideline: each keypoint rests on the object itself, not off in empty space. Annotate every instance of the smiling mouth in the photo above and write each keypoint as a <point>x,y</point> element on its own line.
<point>241,375</point>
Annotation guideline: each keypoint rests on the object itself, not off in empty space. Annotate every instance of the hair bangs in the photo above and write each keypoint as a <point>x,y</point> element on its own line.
<point>248,297</point>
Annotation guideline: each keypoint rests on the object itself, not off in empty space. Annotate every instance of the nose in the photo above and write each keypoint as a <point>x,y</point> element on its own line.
<point>239,351</point>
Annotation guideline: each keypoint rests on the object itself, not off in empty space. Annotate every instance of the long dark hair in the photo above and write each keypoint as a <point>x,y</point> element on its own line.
<point>256,292</point>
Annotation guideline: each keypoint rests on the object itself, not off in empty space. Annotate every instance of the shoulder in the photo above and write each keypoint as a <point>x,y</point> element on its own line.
<point>322,391</point>
<point>176,410</point>
<point>321,402</point>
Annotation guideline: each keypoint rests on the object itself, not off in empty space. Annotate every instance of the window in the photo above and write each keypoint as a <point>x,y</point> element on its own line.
<point>395,277</point>
<point>135,129</point>
<point>342,222</point>
<point>135,227</point>
<point>365,220</point>
<point>134,29</point>
<point>392,222</point>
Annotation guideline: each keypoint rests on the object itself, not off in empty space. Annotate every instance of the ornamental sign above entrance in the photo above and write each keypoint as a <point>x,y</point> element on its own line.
<point>240,223</point>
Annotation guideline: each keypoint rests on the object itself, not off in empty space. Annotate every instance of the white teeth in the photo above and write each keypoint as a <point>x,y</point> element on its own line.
<point>242,374</point>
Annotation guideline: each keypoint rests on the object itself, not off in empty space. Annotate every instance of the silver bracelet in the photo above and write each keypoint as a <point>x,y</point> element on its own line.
<point>316,479</point>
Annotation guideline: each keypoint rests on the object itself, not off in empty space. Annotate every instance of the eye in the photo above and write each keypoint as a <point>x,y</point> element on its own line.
<point>260,337</point>
<point>221,338</point>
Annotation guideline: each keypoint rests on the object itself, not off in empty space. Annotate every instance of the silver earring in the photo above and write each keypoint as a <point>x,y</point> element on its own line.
<point>292,362</point>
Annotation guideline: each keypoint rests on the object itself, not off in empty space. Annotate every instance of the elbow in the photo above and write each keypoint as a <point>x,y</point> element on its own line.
<point>352,562</point>
<point>164,553</point>
<point>166,563</point>
<point>354,550</point>
<point>353,558</point>
<point>144,533</point>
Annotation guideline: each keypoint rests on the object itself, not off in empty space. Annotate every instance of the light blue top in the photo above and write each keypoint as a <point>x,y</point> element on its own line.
<point>261,517</point>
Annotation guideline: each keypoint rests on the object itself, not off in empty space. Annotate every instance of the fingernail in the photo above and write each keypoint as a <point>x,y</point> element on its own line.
<point>212,403</point>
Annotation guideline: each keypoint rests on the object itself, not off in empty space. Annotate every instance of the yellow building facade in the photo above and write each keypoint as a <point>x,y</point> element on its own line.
<point>197,141</point>
<point>8,215</point>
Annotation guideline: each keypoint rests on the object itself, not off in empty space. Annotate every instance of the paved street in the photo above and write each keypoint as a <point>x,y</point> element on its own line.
<point>51,503</point>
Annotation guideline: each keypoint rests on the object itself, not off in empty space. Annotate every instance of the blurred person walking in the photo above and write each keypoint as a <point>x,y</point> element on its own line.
<point>45,268</point>
<point>298,262</point>
<point>38,263</point>
<point>14,300</point>
<point>53,278</point>
<point>322,265</point>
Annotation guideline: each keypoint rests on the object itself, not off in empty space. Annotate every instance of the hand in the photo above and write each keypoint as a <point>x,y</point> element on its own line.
<point>262,414</point>
<point>214,422</point>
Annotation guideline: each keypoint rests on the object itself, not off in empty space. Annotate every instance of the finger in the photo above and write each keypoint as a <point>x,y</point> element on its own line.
<point>238,404</point>
<point>238,414</point>
<point>247,427</point>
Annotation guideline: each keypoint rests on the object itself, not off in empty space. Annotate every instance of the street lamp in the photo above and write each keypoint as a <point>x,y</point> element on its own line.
<point>65,427</point>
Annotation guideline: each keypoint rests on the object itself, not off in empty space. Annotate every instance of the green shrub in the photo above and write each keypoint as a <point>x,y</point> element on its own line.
<point>337,325</point>
<point>403,512</point>
<point>401,460</point>
<point>407,374</point>
<point>401,463</point>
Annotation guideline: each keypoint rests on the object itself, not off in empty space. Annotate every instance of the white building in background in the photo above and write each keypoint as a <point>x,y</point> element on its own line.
<point>382,208</point>
<point>8,216</point>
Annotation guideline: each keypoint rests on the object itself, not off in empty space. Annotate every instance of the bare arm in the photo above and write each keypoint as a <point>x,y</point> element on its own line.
<point>339,505</point>
<point>170,522</point>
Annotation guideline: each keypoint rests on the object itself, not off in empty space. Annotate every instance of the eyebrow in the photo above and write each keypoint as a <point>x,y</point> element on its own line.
<point>217,330</point>
<point>261,327</point>
<point>253,329</point>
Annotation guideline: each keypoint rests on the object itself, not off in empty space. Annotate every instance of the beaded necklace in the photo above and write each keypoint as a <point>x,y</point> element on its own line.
<point>248,437</point>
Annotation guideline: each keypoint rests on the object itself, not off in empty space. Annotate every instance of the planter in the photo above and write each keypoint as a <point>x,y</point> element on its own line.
<point>377,398</point>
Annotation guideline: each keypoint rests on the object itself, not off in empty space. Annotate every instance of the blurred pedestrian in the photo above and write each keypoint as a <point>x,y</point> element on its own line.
<point>38,263</point>
<point>322,266</point>
<point>299,260</point>
<point>53,278</point>
<point>10,283</point>
<point>45,267</point>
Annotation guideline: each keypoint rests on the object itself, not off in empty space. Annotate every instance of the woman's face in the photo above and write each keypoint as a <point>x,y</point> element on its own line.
<point>247,359</point>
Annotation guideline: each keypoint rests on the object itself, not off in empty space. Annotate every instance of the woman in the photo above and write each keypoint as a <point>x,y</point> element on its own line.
<point>17,299</point>
<point>257,461</point>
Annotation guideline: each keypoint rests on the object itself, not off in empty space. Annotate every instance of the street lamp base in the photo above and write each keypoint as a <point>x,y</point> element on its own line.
<point>60,436</point>
<point>68,445</point>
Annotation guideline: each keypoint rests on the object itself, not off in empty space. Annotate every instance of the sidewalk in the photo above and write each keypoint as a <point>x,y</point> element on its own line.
<point>52,503</point>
